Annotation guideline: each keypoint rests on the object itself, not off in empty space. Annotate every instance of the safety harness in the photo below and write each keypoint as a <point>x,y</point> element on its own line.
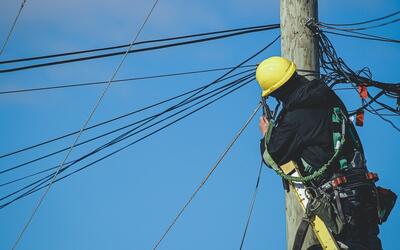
<point>324,200</point>
<point>338,141</point>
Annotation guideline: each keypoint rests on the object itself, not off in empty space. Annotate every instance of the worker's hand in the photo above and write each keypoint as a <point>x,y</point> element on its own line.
<point>263,124</point>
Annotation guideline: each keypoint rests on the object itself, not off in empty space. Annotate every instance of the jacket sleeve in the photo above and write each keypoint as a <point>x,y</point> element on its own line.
<point>283,142</point>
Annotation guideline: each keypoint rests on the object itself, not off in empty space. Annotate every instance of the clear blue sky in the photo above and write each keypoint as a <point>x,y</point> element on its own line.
<point>127,201</point>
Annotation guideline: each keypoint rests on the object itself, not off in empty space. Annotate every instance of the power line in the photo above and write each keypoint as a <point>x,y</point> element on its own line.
<point>84,84</point>
<point>83,127</point>
<point>12,27</point>
<point>253,201</point>
<point>224,75</point>
<point>363,22</point>
<point>135,50</point>
<point>38,185</point>
<point>375,112</point>
<point>115,118</point>
<point>222,156</point>
<point>337,70</point>
<point>73,85</point>
<point>128,134</point>
<point>373,99</point>
<point>198,91</point>
<point>143,121</point>
<point>137,43</point>
<point>368,27</point>
<point>360,35</point>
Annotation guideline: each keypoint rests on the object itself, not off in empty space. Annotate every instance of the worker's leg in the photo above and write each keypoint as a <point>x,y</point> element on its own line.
<point>361,229</point>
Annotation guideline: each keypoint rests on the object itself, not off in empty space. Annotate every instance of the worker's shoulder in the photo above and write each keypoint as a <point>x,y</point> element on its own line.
<point>306,115</point>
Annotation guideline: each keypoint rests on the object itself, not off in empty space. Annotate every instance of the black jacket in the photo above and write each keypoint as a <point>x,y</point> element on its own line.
<point>304,127</point>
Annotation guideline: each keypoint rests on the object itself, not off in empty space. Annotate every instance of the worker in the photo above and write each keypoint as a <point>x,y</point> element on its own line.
<point>308,131</point>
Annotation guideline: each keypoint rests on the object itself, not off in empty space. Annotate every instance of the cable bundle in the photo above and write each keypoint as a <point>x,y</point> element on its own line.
<point>336,71</point>
<point>348,29</point>
<point>185,105</point>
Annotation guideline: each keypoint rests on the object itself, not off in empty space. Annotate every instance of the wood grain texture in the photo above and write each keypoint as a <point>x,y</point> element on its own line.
<point>299,45</point>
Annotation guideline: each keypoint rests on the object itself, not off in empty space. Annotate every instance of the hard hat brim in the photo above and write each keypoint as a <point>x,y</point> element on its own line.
<point>285,78</point>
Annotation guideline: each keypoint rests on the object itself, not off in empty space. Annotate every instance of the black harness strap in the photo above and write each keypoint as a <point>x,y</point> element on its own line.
<point>301,233</point>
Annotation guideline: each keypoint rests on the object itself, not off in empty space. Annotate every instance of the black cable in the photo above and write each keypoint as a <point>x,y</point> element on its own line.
<point>135,50</point>
<point>242,63</point>
<point>126,136</point>
<point>384,119</point>
<point>205,179</point>
<point>387,107</point>
<point>28,176</point>
<point>363,22</point>
<point>62,86</point>
<point>86,122</point>
<point>338,71</point>
<point>12,27</point>
<point>368,27</point>
<point>196,92</point>
<point>137,43</point>
<point>41,186</point>
<point>113,119</point>
<point>253,201</point>
<point>364,36</point>
<point>144,121</point>
<point>43,180</point>
<point>368,103</point>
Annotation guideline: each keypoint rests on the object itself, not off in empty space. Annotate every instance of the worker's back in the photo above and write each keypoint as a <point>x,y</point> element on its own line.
<point>304,129</point>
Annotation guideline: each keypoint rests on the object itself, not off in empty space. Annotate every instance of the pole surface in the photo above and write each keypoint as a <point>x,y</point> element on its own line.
<point>299,45</point>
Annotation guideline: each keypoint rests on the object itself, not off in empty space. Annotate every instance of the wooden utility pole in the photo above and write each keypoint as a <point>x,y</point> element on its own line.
<point>299,45</point>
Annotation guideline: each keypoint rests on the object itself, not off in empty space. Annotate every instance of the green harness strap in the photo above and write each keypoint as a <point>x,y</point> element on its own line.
<point>337,136</point>
<point>338,140</point>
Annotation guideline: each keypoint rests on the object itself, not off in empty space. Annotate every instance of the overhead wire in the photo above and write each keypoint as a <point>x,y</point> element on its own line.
<point>242,63</point>
<point>204,180</point>
<point>375,112</point>
<point>137,43</point>
<point>41,183</point>
<point>338,71</point>
<point>253,201</point>
<point>13,26</point>
<point>25,227</point>
<point>196,92</point>
<point>129,134</point>
<point>363,22</point>
<point>368,27</point>
<point>143,121</point>
<point>113,119</point>
<point>84,84</point>
<point>360,35</point>
<point>136,50</point>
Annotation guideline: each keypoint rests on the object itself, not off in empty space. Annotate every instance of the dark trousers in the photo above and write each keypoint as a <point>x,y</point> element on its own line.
<point>361,216</point>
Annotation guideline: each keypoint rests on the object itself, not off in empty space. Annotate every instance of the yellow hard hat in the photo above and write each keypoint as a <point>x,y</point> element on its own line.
<point>273,72</point>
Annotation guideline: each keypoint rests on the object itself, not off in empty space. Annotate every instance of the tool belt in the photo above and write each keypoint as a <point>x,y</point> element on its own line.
<point>324,202</point>
<point>386,198</point>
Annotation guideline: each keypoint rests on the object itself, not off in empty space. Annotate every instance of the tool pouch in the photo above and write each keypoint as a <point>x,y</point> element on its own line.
<point>386,200</point>
<point>323,207</point>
